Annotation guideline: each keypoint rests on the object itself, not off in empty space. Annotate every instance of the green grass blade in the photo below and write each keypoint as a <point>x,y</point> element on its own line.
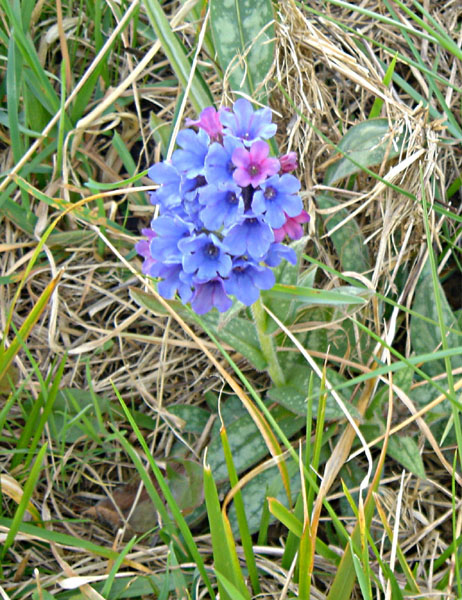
<point>286,517</point>
<point>27,495</point>
<point>105,593</point>
<point>47,535</point>
<point>240,513</point>
<point>378,102</point>
<point>176,513</point>
<point>225,557</point>
<point>176,54</point>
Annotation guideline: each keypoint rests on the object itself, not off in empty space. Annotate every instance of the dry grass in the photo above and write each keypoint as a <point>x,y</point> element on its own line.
<point>151,360</point>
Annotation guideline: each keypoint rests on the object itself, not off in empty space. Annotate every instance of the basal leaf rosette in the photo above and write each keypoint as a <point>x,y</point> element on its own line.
<point>225,206</point>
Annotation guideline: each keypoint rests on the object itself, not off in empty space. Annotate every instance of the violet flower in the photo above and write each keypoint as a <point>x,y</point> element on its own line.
<point>225,205</point>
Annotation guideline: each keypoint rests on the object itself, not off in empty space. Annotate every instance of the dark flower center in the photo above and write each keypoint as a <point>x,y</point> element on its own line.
<point>231,198</point>
<point>211,250</point>
<point>254,169</point>
<point>269,193</point>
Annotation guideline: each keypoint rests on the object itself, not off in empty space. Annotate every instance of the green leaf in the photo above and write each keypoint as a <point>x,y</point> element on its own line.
<point>346,295</point>
<point>184,479</point>
<point>224,549</point>
<point>286,517</point>
<point>243,35</point>
<point>348,239</point>
<point>195,417</point>
<point>367,144</point>
<point>294,396</point>
<point>404,450</point>
<point>246,443</point>
<point>426,337</point>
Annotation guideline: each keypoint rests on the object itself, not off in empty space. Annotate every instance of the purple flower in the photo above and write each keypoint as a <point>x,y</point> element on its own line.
<point>247,279</point>
<point>168,195</point>
<point>190,160</point>
<point>222,207</point>
<point>292,227</point>
<point>210,294</point>
<point>173,280</point>
<point>205,257</point>
<point>209,121</point>
<point>253,166</point>
<point>143,248</point>
<point>219,166</point>
<point>252,237</point>
<point>169,230</point>
<point>248,124</point>
<point>277,198</point>
<point>278,252</point>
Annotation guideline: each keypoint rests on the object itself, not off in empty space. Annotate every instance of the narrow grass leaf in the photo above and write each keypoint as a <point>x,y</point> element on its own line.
<point>177,56</point>
<point>29,489</point>
<point>47,535</point>
<point>285,516</point>
<point>388,78</point>
<point>224,550</point>
<point>176,513</point>
<point>7,355</point>
<point>362,577</point>
<point>45,412</point>
<point>240,513</point>
<point>13,82</point>
<point>305,558</point>
<point>232,591</point>
<point>265,518</point>
<point>106,591</point>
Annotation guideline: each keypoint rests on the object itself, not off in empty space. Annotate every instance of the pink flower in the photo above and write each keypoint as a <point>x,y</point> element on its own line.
<point>209,121</point>
<point>253,166</point>
<point>292,227</point>
<point>288,162</point>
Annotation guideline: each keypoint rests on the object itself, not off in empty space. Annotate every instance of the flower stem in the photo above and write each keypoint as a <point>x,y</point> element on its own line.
<point>267,345</point>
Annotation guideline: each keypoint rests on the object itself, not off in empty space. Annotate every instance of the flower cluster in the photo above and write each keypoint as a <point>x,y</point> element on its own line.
<point>225,205</point>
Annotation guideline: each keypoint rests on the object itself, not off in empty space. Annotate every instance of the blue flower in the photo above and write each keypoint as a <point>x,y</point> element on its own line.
<point>190,160</point>
<point>248,124</point>
<point>222,207</point>
<point>169,230</point>
<point>278,252</point>
<point>205,257</point>
<point>247,279</point>
<point>168,195</point>
<point>218,164</point>
<point>208,295</point>
<point>252,237</point>
<point>278,195</point>
<point>173,280</point>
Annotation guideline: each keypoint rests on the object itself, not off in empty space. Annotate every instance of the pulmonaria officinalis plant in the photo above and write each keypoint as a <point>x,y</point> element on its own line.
<point>225,205</point>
